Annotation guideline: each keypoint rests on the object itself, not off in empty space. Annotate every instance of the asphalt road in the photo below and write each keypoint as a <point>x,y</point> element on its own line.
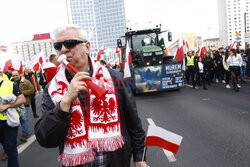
<point>214,123</point>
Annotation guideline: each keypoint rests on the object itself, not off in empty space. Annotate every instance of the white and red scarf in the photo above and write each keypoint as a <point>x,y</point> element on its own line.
<point>100,129</point>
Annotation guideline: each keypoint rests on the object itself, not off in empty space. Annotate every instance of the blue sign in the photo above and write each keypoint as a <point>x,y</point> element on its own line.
<point>172,76</point>
<point>238,38</point>
<point>162,77</point>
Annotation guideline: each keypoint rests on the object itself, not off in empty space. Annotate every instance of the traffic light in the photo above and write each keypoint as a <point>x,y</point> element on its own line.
<point>119,43</point>
<point>169,36</point>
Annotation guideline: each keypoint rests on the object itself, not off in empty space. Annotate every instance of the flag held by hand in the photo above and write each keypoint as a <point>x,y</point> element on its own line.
<point>160,137</point>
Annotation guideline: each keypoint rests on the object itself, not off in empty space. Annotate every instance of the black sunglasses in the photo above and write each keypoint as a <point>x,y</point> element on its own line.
<point>67,44</point>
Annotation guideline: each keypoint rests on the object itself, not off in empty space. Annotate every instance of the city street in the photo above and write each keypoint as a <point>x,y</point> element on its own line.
<point>214,124</point>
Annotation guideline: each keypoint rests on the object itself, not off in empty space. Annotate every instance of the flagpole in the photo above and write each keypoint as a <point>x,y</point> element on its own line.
<point>143,155</point>
<point>144,151</point>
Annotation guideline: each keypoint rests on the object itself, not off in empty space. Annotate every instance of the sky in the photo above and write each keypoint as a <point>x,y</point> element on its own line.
<point>20,19</point>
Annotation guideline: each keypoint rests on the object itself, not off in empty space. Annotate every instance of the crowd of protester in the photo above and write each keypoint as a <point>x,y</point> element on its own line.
<point>26,85</point>
<point>229,66</point>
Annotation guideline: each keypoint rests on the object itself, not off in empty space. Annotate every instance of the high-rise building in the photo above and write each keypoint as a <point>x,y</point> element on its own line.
<point>107,16</point>
<point>28,49</point>
<point>234,21</point>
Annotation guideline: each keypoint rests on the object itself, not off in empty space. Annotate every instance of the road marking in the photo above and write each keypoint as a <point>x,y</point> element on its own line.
<point>192,86</point>
<point>169,155</point>
<point>23,146</point>
<point>206,99</point>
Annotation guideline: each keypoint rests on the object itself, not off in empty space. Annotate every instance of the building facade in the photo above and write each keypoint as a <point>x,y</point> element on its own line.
<point>28,49</point>
<point>234,22</point>
<point>104,18</point>
<point>212,43</point>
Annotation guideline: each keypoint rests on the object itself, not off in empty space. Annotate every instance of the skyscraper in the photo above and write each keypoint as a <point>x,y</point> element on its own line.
<point>234,21</point>
<point>107,16</point>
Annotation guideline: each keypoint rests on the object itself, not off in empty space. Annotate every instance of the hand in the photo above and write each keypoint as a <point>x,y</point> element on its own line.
<point>4,107</point>
<point>77,84</point>
<point>141,164</point>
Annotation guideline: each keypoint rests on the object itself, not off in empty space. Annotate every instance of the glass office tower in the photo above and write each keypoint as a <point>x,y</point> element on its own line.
<point>107,16</point>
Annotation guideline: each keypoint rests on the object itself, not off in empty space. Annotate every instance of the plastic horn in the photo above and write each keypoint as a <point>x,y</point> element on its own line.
<point>97,90</point>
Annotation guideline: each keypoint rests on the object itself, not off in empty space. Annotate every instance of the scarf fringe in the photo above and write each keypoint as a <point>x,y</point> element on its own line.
<point>78,141</point>
<point>107,144</point>
<point>77,159</point>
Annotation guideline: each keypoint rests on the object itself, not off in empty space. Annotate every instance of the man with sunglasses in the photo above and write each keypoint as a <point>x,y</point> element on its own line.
<point>89,131</point>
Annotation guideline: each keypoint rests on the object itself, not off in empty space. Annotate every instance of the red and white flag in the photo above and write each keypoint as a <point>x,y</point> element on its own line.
<point>7,65</point>
<point>19,65</point>
<point>166,51</point>
<point>38,59</point>
<point>117,50</point>
<point>100,55</point>
<point>50,70</point>
<point>197,48</point>
<point>185,46</point>
<point>202,52</point>
<point>160,137</point>
<point>4,48</point>
<point>233,44</point>
<point>180,52</point>
<point>127,61</point>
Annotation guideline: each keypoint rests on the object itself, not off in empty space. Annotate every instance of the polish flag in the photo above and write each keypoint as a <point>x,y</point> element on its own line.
<point>185,46</point>
<point>166,51</point>
<point>3,48</point>
<point>117,50</point>
<point>36,67</point>
<point>100,55</point>
<point>160,137</point>
<point>7,65</point>
<point>197,47</point>
<point>202,52</point>
<point>180,52</point>
<point>50,70</point>
<point>19,65</point>
<point>38,59</point>
<point>127,60</point>
<point>233,44</point>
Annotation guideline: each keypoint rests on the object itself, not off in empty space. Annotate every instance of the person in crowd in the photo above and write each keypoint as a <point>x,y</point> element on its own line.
<point>103,63</point>
<point>8,73</point>
<point>235,61</point>
<point>209,66</point>
<point>243,66</point>
<point>189,60</point>
<point>201,74</point>
<point>226,69</point>
<point>247,52</point>
<point>89,131</point>
<point>238,49</point>
<point>213,70</point>
<point>196,68</point>
<point>53,59</point>
<point>219,75</point>
<point>8,134</point>
<point>42,81</point>
<point>29,75</point>
<point>27,89</point>
<point>50,68</point>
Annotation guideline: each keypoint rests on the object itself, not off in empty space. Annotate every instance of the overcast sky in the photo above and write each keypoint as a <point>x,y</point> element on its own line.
<point>20,19</point>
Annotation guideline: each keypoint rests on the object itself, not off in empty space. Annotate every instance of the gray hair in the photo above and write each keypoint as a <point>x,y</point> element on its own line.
<point>82,33</point>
